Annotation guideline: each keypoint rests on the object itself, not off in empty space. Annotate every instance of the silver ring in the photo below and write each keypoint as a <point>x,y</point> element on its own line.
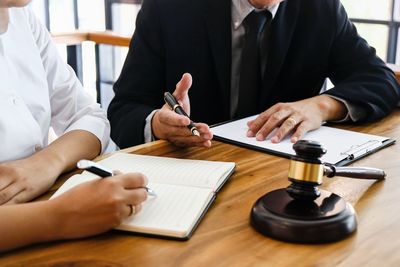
<point>293,122</point>
<point>132,209</point>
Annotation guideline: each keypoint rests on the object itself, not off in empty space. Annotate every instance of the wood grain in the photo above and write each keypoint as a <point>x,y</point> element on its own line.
<point>225,238</point>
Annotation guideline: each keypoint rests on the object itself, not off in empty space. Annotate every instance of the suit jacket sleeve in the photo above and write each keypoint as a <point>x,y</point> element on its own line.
<point>139,89</point>
<point>359,76</point>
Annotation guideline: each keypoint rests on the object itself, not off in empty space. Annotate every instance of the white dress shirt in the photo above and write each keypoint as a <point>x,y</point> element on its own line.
<point>38,91</point>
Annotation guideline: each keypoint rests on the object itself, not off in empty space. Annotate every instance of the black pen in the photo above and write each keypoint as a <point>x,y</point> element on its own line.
<point>102,171</point>
<point>173,104</point>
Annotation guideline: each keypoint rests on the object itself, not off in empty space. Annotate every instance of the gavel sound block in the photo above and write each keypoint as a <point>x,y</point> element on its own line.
<point>302,213</point>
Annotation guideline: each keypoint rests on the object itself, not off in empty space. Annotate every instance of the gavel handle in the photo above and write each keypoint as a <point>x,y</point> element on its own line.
<point>355,172</point>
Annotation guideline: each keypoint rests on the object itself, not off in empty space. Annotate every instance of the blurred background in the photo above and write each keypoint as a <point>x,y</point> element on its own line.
<point>378,21</point>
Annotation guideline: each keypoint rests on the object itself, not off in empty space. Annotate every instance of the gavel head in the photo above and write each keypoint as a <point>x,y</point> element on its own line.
<point>306,170</point>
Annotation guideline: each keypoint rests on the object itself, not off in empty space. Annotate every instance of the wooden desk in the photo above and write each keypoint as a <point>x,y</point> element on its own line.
<point>224,237</point>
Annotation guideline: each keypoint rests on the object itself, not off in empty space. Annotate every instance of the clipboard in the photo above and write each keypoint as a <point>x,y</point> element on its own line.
<point>361,151</point>
<point>343,146</point>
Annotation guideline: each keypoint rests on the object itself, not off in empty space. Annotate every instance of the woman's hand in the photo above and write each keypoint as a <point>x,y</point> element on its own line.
<point>24,180</point>
<point>97,206</point>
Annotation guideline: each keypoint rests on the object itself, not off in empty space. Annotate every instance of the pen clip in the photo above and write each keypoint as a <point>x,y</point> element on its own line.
<point>358,150</point>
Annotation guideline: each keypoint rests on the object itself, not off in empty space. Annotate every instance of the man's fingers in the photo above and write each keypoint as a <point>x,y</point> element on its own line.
<point>204,131</point>
<point>256,124</point>
<point>274,121</point>
<point>190,141</point>
<point>183,86</point>
<point>174,131</point>
<point>287,126</point>
<point>206,143</point>
<point>172,119</point>
<point>167,117</point>
<point>181,136</point>
<point>184,131</point>
<point>298,117</point>
<point>301,130</point>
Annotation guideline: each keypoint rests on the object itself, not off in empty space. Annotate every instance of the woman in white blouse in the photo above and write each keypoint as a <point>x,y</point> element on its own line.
<point>38,91</point>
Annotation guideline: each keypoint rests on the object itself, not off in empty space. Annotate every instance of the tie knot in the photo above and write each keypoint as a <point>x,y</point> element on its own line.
<point>255,21</point>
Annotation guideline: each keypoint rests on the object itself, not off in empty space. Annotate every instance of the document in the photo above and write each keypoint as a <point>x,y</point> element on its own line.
<point>185,190</point>
<point>343,147</point>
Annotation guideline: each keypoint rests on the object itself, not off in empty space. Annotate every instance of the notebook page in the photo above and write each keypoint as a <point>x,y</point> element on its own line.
<point>174,212</point>
<point>336,141</point>
<point>172,171</point>
<point>74,181</point>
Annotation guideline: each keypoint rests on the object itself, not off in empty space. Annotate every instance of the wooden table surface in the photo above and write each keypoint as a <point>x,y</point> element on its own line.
<point>225,238</point>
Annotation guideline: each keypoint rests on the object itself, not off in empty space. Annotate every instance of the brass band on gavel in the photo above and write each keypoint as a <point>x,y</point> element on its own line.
<point>306,172</point>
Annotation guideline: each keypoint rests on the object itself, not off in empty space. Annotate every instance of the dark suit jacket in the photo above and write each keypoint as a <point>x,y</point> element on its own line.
<point>310,40</point>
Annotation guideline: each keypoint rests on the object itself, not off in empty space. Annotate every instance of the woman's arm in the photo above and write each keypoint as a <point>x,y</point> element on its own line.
<point>23,180</point>
<point>75,117</point>
<point>88,209</point>
<point>72,107</point>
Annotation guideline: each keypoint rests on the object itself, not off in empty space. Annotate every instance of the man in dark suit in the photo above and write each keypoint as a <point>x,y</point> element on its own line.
<point>298,45</point>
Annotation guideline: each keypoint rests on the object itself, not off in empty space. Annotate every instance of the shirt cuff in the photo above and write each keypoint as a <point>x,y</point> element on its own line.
<point>354,112</point>
<point>148,133</point>
<point>97,126</point>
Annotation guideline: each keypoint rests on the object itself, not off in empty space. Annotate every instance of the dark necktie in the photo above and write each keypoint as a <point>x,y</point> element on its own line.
<point>250,67</point>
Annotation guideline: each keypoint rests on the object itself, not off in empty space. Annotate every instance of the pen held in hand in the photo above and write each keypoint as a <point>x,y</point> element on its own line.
<point>173,104</point>
<point>102,171</point>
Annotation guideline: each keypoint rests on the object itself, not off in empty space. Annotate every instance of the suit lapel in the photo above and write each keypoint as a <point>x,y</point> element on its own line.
<point>282,29</point>
<point>218,20</point>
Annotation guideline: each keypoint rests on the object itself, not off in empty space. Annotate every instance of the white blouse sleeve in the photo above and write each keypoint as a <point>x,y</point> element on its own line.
<point>71,107</point>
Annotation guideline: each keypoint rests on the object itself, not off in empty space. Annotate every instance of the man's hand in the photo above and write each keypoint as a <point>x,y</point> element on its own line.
<point>168,125</point>
<point>299,117</point>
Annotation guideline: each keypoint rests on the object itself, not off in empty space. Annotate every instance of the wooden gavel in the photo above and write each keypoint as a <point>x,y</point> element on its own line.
<point>301,212</point>
<point>306,171</point>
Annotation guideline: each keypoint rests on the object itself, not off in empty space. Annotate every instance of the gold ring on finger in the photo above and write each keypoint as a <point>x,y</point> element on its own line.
<point>292,121</point>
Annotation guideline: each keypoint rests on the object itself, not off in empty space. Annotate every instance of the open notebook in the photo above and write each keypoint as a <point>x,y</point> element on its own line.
<point>343,147</point>
<point>185,190</point>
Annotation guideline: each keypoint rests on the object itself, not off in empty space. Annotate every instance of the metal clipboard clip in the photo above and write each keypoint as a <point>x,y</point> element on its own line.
<point>358,150</point>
